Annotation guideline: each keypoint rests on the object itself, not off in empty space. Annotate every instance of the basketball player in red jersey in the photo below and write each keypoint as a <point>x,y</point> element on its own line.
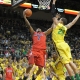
<point>8,73</point>
<point>38,51</point>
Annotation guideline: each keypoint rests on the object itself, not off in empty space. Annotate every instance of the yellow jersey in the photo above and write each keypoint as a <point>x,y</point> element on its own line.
<point>39,77</point>
<point>16,78</point>
<point>58,33</point>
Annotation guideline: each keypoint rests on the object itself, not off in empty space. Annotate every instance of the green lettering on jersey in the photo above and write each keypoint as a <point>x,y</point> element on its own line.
<point>61,31</point>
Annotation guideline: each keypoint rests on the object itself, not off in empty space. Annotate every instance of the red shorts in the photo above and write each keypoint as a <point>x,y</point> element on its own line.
<point>8,79</point>
<point>37,57</point>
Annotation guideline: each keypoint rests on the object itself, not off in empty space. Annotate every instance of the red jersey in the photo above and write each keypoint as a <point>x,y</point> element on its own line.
<point>39,40</point>
<point>9,73</point>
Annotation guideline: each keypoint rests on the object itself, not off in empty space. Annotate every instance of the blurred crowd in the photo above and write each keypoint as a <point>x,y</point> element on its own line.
<point>15,37</point>
<point>15,42</point>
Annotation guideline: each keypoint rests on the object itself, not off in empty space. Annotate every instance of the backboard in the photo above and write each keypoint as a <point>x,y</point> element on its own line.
<point>16,3</point>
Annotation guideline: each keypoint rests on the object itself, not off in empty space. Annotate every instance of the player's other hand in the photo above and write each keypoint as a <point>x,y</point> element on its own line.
<point>58,15</point>
<point>24,15</point>
<point>79,13</point>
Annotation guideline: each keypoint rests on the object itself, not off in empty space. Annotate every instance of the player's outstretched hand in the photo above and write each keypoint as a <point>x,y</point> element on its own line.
<point>79,13</point>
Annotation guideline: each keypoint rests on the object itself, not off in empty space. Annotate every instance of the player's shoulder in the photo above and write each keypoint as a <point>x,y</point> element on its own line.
<point>34,33</point>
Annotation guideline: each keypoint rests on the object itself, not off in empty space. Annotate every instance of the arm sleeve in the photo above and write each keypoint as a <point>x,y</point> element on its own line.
<point>53,11</point>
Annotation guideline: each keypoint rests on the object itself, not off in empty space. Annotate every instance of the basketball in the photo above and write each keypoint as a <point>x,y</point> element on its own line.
<point>28,12</point>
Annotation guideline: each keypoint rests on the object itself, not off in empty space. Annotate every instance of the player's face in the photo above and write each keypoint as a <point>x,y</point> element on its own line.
<point>38,30</point>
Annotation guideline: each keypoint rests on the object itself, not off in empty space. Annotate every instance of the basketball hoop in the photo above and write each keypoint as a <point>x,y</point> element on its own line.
<point>44,4</point>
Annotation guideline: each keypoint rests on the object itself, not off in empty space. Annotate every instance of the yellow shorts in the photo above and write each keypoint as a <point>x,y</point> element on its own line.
<point>61,77</point>
<point>64,52</point>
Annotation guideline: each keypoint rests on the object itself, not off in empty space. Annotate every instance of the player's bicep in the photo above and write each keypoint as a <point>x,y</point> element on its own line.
<point>69,25</point>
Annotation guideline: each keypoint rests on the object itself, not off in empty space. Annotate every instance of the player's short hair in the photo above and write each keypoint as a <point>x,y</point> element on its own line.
<point>64,20</point>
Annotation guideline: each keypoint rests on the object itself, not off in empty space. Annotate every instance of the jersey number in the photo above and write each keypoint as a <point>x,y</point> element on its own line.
<point>38,37</point>
<point>61,32</point>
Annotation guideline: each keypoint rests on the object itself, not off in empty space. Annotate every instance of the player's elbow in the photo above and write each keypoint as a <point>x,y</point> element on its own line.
<point>55,21</point>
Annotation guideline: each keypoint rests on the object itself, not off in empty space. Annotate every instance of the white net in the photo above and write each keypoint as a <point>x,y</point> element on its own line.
<point>44,4</point>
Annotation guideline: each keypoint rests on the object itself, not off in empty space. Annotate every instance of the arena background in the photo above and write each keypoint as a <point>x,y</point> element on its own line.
<point>12,27</point>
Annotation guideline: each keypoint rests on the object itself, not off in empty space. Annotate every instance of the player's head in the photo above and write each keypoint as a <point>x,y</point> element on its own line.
<point>63,21</point>
<point>38,30</point>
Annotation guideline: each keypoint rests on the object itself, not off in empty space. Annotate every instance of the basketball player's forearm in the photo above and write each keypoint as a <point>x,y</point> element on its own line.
<point>53,11</point>
<point>49,31</point>
<point>27,22</point>
<point>29,26</point>
<point>75,20</point>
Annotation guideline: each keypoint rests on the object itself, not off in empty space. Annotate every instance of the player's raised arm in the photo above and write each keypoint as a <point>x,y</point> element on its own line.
<point>53,10</point>
<point>55,15</point>
<point>28,23</point>
<point>73,22</point>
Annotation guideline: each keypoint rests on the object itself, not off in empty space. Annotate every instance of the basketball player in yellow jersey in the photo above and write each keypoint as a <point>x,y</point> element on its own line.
<point>58,68</point>
<point>59,30</point>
